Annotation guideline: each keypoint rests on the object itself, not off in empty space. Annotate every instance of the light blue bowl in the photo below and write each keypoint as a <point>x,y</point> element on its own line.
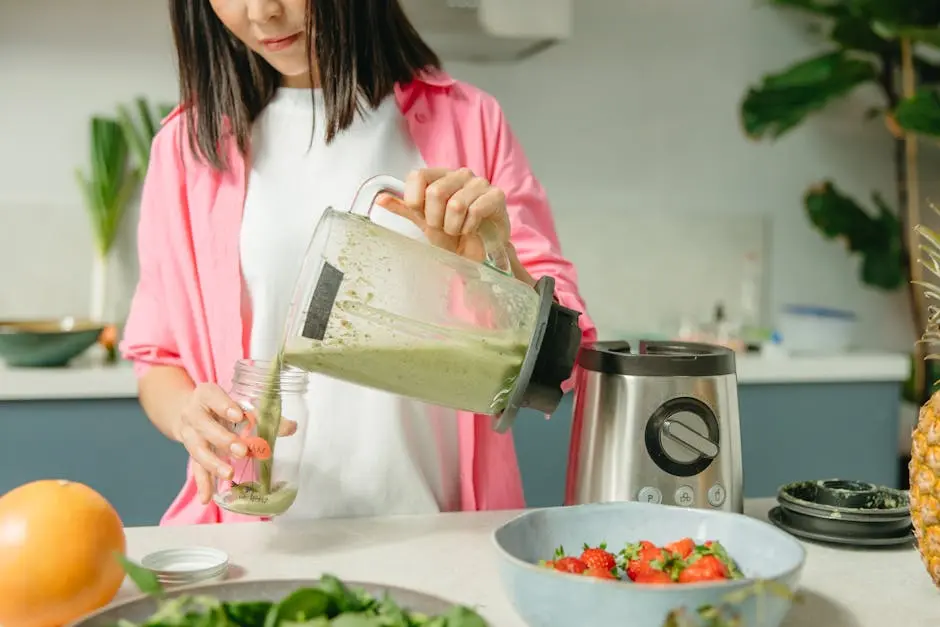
<point>548,598</point>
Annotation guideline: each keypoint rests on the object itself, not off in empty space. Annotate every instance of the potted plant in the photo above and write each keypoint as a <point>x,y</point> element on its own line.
<point>119,153</point>
<point>893,45</point>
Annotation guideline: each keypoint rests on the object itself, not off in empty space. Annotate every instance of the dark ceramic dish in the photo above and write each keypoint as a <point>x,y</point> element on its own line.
<point>139,609</point>
<point>783,519</point>
<point>46,343</point>
<point>846,528</point>
<point>845,500</point>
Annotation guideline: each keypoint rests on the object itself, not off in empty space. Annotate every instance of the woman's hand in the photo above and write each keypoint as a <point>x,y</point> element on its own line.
<point>204,429</point>
<point>449,206</point>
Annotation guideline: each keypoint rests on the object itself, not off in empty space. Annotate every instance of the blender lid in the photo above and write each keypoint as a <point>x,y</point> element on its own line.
<point>652,358</point>
<point>548,362</point>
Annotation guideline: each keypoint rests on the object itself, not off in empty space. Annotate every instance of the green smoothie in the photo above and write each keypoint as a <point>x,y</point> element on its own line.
<point>474,373</point>
<point>252,499</point>
<point>470,369</point>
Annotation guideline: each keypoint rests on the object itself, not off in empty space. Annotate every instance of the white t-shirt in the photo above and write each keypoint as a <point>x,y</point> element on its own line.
<point>366,453</point>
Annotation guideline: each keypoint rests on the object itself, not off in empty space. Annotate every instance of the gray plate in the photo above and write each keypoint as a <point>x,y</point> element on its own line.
<point>778,517</point>
<point>139,609</point>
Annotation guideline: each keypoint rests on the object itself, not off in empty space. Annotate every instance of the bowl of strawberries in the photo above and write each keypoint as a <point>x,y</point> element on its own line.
<point>647,565</point>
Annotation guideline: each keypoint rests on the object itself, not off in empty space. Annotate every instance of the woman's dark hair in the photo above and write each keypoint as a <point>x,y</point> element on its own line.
<point>361,49</point>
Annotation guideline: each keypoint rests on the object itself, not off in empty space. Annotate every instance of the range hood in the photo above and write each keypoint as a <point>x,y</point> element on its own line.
<point>490,30</point>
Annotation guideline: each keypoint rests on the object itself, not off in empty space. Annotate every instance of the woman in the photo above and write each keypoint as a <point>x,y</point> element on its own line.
<point>288,105</point>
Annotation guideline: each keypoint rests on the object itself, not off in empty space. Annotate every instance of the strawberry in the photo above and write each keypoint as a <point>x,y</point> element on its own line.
<point>683,548</point>
<point>654,577</point>
<point>599,557</point>
<point>600,573</point>
<point>567,564</point>
<point>639,556</point>
<point>716,549</point>
<point>570,565</point>
<point>703,568</point>
<point>550,564</point>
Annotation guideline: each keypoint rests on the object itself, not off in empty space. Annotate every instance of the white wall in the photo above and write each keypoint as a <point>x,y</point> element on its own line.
<point>636,116</point>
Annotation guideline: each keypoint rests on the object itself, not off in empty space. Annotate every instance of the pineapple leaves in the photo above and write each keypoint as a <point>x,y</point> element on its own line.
<point>930,260</point>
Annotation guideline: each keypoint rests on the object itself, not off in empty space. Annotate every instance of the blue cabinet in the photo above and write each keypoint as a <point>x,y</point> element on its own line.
<point>107,444</point>
<point>789,432</point>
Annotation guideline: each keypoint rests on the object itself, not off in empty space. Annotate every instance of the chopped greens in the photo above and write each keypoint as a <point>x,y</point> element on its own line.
<point>329,604</point>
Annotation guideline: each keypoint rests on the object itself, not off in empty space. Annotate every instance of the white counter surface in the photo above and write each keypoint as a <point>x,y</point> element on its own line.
<point>450,556</point>
<point>85,381</point>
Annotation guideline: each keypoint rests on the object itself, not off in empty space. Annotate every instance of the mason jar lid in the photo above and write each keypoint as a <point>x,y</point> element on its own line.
<point>187,565</point>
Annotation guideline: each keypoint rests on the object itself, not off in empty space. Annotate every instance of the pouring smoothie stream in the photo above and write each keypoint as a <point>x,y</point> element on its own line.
<point>376,308</point>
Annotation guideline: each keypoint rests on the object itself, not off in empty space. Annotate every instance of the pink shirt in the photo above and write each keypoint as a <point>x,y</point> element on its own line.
<point>187,310</point>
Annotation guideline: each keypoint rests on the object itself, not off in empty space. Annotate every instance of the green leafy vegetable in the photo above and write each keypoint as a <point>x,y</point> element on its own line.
<point>330,604</point>
<point>145,579</point>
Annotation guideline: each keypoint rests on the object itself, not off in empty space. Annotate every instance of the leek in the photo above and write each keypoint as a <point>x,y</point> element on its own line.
<point>111,181</point>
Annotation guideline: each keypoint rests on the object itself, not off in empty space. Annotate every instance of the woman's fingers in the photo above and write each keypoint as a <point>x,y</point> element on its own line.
<point>200,451</point>
<point>398,206</point>
<point>287,427</point>
<point>439,194</point>
<point>416,185</point>
<point>216,435</point>
<point>427,191</point>
<point>462,203</point>
<point>487,205</point>
<point>203,483</point>
<point>214,399</point>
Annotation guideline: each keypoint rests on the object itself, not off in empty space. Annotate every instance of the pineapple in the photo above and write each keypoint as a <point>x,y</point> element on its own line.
<point>925,485</point>
<point>924,467</point>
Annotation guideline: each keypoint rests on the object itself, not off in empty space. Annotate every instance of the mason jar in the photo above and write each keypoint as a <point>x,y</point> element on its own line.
<point>265,482</point>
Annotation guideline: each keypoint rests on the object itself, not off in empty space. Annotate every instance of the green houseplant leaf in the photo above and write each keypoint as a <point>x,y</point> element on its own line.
<point>875,238</point>
<point>109,183</point>
<point>783,100</point>
<point>921,113</point>
<point>929,36</point>
<point>827,8</point>
<point>856,33</point>
<point>899,14</point>
<point>140,128</point>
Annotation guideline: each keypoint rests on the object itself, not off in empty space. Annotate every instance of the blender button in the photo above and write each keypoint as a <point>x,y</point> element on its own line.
<point>649,495</point>
<point>685,496</point>
<point>716,495</point>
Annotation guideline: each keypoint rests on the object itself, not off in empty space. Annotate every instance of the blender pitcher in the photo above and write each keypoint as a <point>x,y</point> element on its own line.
<point>379,309</point>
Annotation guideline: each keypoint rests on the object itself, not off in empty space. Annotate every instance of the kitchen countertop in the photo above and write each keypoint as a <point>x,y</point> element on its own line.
<point>450,555</point>
<point>90,381</point>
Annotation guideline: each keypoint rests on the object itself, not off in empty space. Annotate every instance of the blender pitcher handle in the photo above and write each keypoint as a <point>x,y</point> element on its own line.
<point>496,256</point>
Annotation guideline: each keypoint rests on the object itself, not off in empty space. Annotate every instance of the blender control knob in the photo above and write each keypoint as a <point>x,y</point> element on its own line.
<point>682,436</point>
